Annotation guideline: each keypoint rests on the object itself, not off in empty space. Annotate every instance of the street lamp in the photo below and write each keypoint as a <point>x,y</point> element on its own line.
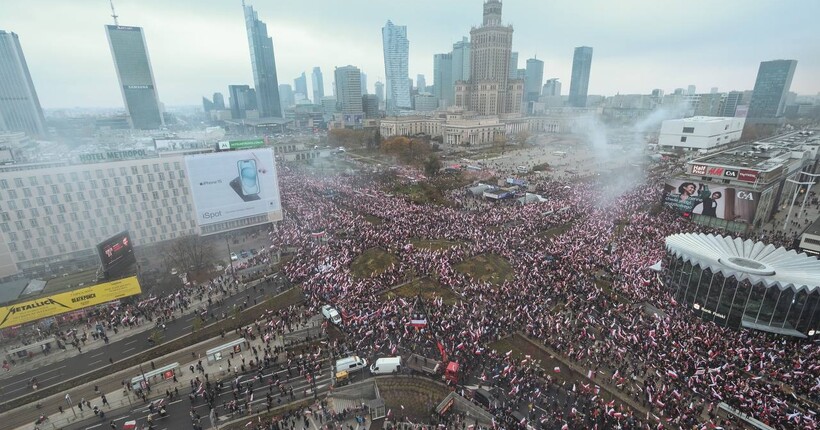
<point>795,198</point>
<point>813,175</point>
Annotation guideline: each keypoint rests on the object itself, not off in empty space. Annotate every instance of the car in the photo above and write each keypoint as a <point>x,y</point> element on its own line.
<point>244,254</point>
<point>331,315</point>
<point>234,257</point>
<point>253,251</point>
<point>485,399</point>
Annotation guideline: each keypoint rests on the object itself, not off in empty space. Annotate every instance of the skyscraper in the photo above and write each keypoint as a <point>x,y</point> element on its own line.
<point>461,60</point>
<point>490,91</point>
<point>532,82</point>
<point>19,106</point>
<point>579,85</point>
<point>219,101</point>
<point>135,75</point>
<point>300,86</point>
<point>443,86</point>
<point>380,91</point>
<point>774,78</point>
<point>370,105</point>
<point>318,85</point>
<point>286,96</point>
<point>348,89</point>
<point>421,84</point>
<point>733,99</point>
<point>552,88</point>
<point>263,64</point>
<point>239,97</point>
<point>363,79</point>
<point>396,65</point>
<point>513,64</point>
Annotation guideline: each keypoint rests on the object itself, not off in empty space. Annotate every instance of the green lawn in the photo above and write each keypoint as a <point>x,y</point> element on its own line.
<point>372,262</point>
<point>487,268</point>
<point>428,288</point>
<point>373,219</point>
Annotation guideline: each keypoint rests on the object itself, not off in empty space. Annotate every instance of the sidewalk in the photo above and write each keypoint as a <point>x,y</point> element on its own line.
<point>56,355</point>
<point>119,397</point>
<point>802,218</point>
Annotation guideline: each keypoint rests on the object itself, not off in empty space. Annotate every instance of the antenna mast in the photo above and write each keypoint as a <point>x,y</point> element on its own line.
<point>113,13</point>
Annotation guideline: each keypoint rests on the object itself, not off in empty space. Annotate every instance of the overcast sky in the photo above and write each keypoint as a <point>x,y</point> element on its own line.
<point>198,47</point>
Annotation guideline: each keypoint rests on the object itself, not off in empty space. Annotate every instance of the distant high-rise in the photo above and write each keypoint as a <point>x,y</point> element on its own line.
<point>207,105</point>
<point>136,78</point>
<point>242,99</point>
<point>380,91</point>
<point>443,86</point>
<point>513,64</point>
<point>264,65</point>
<point>370,106</point>
<point>396,66</point>
<point>286,96</point>
<point>300,86</point>
<point>690,90</point>
<point>713,90</point>
<point>318,85</point>
<point>533,80</point>
<point>774,78</point>
<point>348,89</point>
<point>490,91</point>
<point>219,101</point>
<point>363,78</point>
<point>19,106</point>
<point>552,88</point>
<point>421,84</point>
<point>461,60</point>
<point>730,104</point>
<point>579,85</point>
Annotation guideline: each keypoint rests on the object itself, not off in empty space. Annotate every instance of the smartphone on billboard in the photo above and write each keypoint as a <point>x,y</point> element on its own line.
<point>248,177</point>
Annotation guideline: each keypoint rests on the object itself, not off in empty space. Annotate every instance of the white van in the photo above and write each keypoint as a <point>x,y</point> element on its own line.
<point>351,364</point>
<point>386,366</point>
<point>522,169</point>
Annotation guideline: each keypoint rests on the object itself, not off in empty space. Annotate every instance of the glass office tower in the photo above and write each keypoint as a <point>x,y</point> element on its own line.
<point>139,92</point>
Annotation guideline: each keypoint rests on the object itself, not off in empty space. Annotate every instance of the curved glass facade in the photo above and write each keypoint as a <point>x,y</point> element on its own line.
<point>732,303</point>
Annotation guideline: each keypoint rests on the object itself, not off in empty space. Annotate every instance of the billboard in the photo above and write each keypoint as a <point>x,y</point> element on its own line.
<point>56,304</point>
<point>708,199</point>
<point>225,145</point>
<point>233,184</point>
<point>116,253</point>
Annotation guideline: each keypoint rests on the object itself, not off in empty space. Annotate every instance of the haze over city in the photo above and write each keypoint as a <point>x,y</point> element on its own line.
<point>199,47</point>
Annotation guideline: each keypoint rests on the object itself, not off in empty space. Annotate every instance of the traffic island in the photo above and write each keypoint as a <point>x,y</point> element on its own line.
<point>490,268</point>
<point>372,262</point>
<point>426,287</point>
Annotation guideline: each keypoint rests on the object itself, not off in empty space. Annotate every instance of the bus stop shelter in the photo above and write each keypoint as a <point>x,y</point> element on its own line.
<point>215,354</point>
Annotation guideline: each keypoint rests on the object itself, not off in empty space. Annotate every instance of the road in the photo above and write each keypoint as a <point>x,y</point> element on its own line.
<point>180,409</point>
<point>100,358</point>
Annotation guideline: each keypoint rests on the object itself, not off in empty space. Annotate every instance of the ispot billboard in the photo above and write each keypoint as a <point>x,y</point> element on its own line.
<point>233,184</point>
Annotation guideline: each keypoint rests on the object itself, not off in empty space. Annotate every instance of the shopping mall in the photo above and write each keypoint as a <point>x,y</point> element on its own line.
<point>55,213</point>
<point>736,283</point>
<point>742,188</point>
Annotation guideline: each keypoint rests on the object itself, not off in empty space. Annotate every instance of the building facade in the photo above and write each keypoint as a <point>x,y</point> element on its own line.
<point>735,283</point>
<point>286,96</point>
<point>552,88</point>
<point>699,132</point>
<point>370,105</point>
<point>425,102</point>
<point>135,76</point>
<point>490,91</point>
<point>396,66</point>
<point>242,99</point>
<point>579,85</point>
<point>19,106</point>
<point>263,64</point>
<point>774,78</point>
<point>461,60</point>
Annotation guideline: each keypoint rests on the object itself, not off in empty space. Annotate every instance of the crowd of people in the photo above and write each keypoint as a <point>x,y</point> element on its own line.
<point>582,292</point>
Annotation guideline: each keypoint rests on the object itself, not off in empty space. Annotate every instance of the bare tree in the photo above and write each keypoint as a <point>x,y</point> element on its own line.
<point>189,252</point>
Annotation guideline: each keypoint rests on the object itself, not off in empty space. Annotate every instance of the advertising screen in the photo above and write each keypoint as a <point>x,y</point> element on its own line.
<point>56,304</point>
<point>708,199</point>
<point>232,185</point>
<point>116,252</point>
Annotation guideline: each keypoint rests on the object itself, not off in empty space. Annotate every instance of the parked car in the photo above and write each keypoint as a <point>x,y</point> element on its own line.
<point>234,257</point>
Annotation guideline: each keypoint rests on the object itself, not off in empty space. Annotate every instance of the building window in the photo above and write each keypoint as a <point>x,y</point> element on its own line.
<point>683,138</point>
<point>688,129</point>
